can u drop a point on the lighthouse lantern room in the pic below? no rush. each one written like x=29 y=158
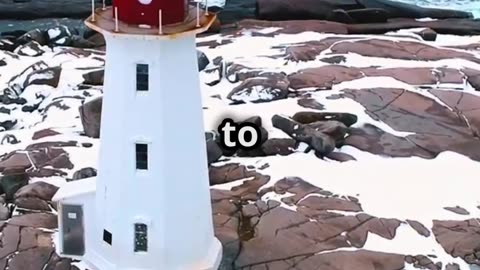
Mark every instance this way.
x=149 y=206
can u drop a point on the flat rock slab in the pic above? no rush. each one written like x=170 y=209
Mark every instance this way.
x=29 y=248
x=446 y=26
x=437 y=128
x=264 y=234
x=326 y=76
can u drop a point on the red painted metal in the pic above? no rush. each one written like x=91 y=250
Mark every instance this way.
x=134 y=12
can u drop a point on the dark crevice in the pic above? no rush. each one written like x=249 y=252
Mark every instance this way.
x=246 y=230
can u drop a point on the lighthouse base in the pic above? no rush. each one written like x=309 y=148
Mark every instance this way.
x=211 y=262
x=82 y=194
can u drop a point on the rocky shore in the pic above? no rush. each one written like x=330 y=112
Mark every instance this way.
x=370 y=137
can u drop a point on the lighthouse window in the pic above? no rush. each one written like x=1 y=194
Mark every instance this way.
x=140 y=237
x=107 y=237
x=142 y=77
x=142 y=156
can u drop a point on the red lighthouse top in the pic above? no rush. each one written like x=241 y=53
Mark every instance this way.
x=147 y=11
x=142 y=17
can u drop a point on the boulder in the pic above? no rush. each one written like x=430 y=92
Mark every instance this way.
x=37 y=35
x=94 y=77
x=32 y=203
x=308 y=117
x=448 y=233
x=214 y=152
x=84 y=173
x=44 y=133
x=277 y=146
x=90 y=114
x=261 y=89
x=48 y=76
x=12 y=180
x=31 y=48
x=408 y=111
x=427 y=34
x=316 y=139
x=202 y=60
x=36 y=220
x=40 y=189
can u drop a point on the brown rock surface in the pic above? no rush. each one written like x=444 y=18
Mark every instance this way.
x=262 y=234
x=44 y=133
x=40 y=189
x=90 y=113
x=447 y=26
x=28 y=248
x=405 y=50
x=459 y=238
x=436 y=127
x=458 y=210
x=36 y=220
x=326 y=76
x=419 y=227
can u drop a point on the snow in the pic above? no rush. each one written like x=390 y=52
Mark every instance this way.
x=61 y=41
x=75 y=188
x=54 y=33
x=27 y=51
x=392 y=190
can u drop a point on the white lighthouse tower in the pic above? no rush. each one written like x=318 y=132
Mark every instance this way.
x=149 y=207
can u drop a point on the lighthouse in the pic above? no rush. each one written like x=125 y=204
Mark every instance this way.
x=149 y=206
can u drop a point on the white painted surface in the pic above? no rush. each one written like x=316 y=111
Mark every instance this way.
x=75 y=188
x=86 y=198
x=180 y=230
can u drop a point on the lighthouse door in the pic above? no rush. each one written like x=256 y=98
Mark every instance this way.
x=73 y=231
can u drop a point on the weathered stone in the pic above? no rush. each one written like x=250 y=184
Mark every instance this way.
x=39 y=189
x=31 y=48
x=94 y=77
x=214 y=152
x=447 y=233
x=261 y=89
x=427 y=34
x=228 y=173
x=31 y=258
x=49 y=76
x=458 y=210
x=84 y=173
x=419 y=227
x=4 y=212
x=308 y=117
x=325 y=77
x=341 y=157
x=90 y=113
x=32 y=203
x=406 y=111
x=202 y=60
x=310 y=103
x=36 y=220
x=319 y=141
x=12 y=180
x=276 y=146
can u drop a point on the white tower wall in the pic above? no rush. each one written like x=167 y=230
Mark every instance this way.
x=172 y=197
